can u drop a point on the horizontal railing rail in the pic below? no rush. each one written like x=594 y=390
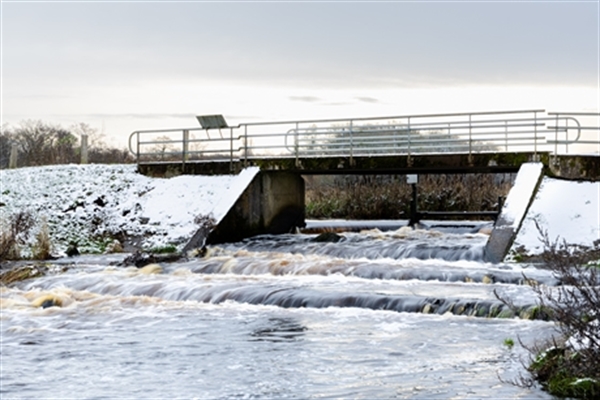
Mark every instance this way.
x=567 y=122
x=406 y=135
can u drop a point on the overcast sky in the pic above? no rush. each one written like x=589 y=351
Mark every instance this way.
x=122 y=66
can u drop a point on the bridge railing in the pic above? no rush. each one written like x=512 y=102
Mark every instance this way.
x=577 y=132
x=460 y=133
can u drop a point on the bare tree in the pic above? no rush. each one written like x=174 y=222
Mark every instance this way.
x=41 y=143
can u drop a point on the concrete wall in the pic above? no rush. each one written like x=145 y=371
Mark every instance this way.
x=272 y=203
x=513 y=211
x=576 y=167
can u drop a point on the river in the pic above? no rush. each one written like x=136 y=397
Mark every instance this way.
x=397 y=314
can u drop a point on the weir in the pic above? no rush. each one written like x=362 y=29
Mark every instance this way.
x=475 y=142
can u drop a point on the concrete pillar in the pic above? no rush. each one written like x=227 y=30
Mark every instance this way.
x=272 y=203
x=84 y=149
x=14 y=151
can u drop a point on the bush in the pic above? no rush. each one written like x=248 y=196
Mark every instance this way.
x=569 y=366
x=15 y=233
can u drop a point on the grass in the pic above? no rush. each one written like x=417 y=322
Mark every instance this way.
x=167 y=249
x=42 y=247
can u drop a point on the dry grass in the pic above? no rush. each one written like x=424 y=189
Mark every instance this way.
x=42 y=248
x=14 y=233
x=388 y=197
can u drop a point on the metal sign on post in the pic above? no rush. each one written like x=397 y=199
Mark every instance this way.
x=412 y=178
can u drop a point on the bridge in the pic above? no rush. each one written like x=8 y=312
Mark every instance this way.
x=567 y=143
x=555 y=143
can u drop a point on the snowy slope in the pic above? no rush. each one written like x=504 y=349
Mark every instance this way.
x=90 y=204
x=566 y=210
x=518 y=199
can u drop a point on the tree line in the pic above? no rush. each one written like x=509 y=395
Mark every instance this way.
x=42 y=143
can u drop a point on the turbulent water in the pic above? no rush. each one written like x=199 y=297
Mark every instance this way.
x=401 y=314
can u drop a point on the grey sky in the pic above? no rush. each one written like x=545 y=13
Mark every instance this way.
x=53 y=52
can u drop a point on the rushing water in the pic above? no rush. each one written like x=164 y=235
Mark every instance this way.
x=400 y=314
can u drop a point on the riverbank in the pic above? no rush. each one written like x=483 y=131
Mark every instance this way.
x=94 y=205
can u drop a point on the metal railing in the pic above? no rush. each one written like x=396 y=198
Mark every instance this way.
x=463 y=133
x=574 y=132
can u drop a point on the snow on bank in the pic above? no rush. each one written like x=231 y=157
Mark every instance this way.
x=565 y=209
x=90 y=203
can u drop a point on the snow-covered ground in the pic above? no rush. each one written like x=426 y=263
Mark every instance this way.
x=88 y=204
x=567 y=210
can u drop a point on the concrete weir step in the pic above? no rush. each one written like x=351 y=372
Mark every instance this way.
x=514 y=211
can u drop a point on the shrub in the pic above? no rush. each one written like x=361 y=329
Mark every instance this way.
x=15 y=233
x=166 y=249
x=572 y=369
x=569 y=366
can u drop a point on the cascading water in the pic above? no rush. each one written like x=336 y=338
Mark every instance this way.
x=409 y=314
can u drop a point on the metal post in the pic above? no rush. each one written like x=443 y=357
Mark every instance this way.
x=414 y=213
x=351 y=145
x=408 y=159
x=505 y=135
x=186 y=138
x=245 y=145
x=535 y=157
x=555 y=156
x=137 y=149
x=566 y=136
x=556 y=136
x=296 y=144
x=470 y=141
x=231 y=150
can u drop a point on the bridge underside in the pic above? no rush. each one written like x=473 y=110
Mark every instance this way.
x=374 y=165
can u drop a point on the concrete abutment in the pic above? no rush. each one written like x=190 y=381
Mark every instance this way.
x=273 y=203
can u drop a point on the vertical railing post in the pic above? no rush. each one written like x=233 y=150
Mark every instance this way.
x=186 y=138
x=137 y=149
x=408 y=158
x=535 y=133
x=351 y=143
x=566 y=136
x=245 y=145
x=556 y=136
x=470 y=140
x=506 y=135
x=231 y=150
x=296 y=145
